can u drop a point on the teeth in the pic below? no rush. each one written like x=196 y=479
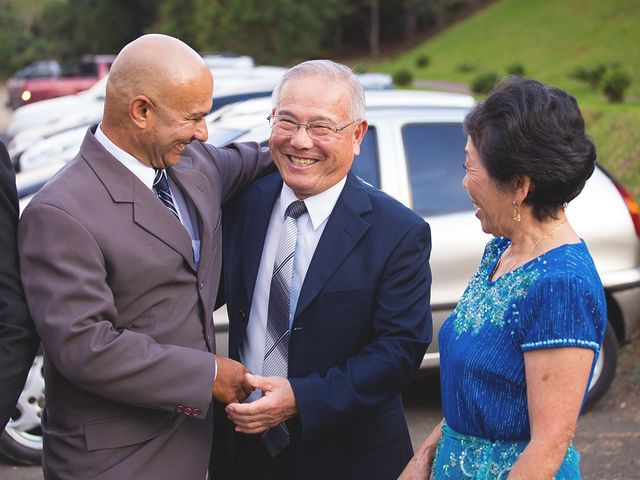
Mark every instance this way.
x=302 y=161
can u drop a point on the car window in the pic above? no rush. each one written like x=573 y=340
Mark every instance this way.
x=221 y=101
x=39 y=70
x=365 y=165
x=435 y=155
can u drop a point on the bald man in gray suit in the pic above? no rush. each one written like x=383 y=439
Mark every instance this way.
x=122 y=288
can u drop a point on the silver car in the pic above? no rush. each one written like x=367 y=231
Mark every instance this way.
x=414 y=150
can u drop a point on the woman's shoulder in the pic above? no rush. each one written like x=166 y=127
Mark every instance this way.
x=571 y=261
x=567 y=273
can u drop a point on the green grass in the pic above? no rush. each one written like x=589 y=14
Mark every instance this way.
x=549 y=38
x=615 y=130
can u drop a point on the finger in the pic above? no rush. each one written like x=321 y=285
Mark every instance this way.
x=256 y=381
x=240 y=422
x=244 y=409
x=247 y=389
x=251 y=424
x=258 y=407
x=238 y=419
x=251 y=430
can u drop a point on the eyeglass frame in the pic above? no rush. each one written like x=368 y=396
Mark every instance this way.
x=306 y=125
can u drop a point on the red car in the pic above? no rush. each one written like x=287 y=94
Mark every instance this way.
x=47 y=79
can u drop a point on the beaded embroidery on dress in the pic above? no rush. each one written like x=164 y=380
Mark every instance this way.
x=554 y=300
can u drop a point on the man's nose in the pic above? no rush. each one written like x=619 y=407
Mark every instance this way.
x=301 y=138
x=202 y=132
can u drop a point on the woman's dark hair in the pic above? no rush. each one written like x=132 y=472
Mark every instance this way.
x=526 y=128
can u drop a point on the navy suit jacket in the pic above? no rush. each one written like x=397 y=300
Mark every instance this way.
x=361 y=327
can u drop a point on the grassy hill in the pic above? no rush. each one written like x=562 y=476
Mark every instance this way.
x=549 y=38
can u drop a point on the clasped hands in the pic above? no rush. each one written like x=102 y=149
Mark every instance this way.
x=234 y=383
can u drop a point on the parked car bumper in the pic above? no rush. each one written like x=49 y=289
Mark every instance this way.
x=623 y=290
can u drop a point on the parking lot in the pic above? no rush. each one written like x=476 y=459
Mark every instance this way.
x=608 y=437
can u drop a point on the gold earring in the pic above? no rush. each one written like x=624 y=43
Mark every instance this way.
x=516 y=212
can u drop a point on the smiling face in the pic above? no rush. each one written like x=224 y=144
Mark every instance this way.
x=493 y=204
x=178 y=119
x=309 y=166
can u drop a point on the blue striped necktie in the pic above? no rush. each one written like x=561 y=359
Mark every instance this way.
x=161 y=187
x=276 y=358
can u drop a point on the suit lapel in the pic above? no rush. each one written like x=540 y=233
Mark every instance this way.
x=125 y=187
x=196 y=187
x=345 y=227
x=259 y=206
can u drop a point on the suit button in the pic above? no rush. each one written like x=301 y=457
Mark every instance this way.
x=242 y=315
x=201 y=285
x=179 y=409
x=187 y=410
x=196 y=412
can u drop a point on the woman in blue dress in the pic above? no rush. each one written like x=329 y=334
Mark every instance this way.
x=518 y=351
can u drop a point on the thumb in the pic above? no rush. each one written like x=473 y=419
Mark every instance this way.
x=256 y=381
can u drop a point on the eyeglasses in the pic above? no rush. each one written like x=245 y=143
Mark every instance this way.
x=315 y=130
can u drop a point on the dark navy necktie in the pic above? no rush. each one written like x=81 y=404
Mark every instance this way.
x=161 y=187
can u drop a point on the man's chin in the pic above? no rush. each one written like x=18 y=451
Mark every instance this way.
x=171 y=160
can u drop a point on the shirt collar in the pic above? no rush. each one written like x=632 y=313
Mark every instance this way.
x=144 y=173
x=319 y=206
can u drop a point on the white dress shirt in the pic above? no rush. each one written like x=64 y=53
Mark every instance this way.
x=310 y=228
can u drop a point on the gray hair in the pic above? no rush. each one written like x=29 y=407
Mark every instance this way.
x=330 y=71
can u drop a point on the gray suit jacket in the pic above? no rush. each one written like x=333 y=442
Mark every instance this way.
x=125 y=319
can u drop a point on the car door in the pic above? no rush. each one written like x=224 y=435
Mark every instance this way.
x=421 y=153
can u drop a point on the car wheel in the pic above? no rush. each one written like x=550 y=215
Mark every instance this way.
x=605 y=369
x=21 y=440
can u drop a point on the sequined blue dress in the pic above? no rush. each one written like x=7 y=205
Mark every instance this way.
x=555 y=300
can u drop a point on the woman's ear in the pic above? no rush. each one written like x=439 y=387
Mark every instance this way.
x=522 y=187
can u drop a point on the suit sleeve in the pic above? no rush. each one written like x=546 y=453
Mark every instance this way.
x=19 y=341
x=65 y=279
x=402 y=332
x=239 y=164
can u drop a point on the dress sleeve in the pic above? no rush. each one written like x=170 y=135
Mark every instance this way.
x=563 y=311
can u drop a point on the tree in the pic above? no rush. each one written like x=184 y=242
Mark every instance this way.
x=374 y=28
x=96 y=26
x=274 y=31
x=278 y=31
x=11 y=33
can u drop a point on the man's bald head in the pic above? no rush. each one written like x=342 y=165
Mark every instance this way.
x=158 y=93
x=154 y=65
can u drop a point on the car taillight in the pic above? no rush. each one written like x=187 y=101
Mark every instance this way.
x=632 y=206
x=26 y=96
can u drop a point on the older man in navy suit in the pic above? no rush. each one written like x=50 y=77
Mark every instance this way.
x=327 y=286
